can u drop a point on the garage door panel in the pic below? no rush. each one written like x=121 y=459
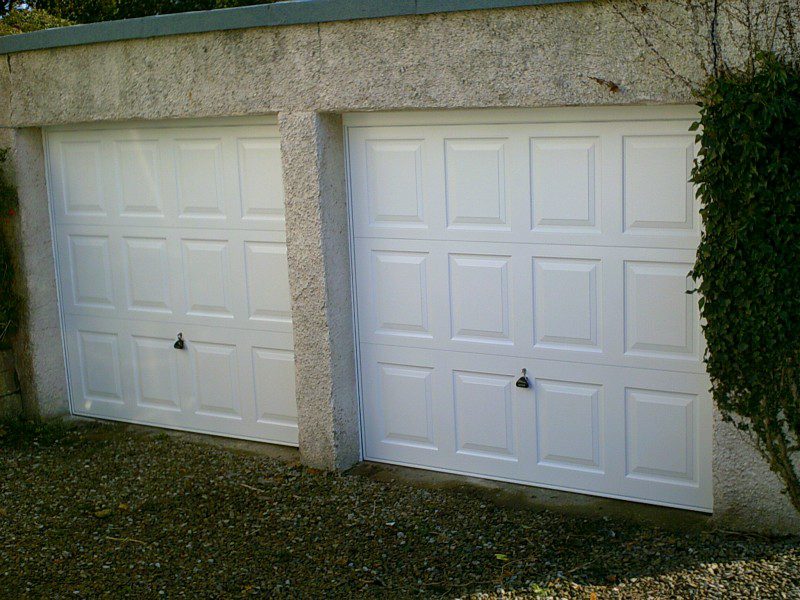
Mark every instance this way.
x=668 y=425
x=484 y=415
x=96 y=368
x=394 y=184
x=570 y=425
x=657 y=196
x=567 y=305
x=581 y=183
x=476 y=176
x=259 y=169
x=402 y=422
x=650 y=441
x=215 y=378
x=177 y=230
x=273 y=383
x=431 y=412
x=78 y=187
x=146 y=270
x=267 y=283
x=480 y=299
x=565 y=184
x=140 y=187
x=198 y=177
x=585 y=304
x=208 y=282
x=562 y=248
x=155 y=373
x=234 y=278
x=242 y=378
x=661 y=319
x=584 y=428
x=233 y=382
x=87 y=261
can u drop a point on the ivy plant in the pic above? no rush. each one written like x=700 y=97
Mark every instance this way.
x=9 y=300
x=747 y=269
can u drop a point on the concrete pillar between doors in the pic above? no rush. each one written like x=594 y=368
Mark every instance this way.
x=39 y=350
x=312 y=147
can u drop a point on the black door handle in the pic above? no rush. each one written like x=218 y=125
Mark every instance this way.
x=179 y=344
x=523 y=382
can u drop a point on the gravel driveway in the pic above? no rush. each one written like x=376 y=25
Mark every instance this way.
x=100 y=511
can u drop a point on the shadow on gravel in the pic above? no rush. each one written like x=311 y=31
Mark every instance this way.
x=97 y=509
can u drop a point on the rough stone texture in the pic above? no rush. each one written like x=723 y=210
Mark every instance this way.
x=225 y=73
x=533 y=56
x=39 y=350
x=593 y=53
x=319 y=277
x=747 y=495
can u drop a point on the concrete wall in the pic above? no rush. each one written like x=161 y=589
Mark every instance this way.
x=537 y=56
x=593 y=53
x=40 y=356
x=312 y=151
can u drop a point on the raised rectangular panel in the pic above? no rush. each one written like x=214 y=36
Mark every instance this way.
x=394 y=183
x=476 y=188
x=206 y=276
x=661 y=436
x=216 y=379
x=564 y=183
x=90 y=271
x=261 y=179
x=400 y=284
x=569 y=425
x=479 y=298
x=98 y=355
x=198 y=172
x=147 y=274
x=267 y=269
x=406 y=405
x=273 y=381
x=484 y=415
x=657 y=194
x=81 y=179
x=566 y=303
x=660 y=317
x=155 y=370
x=138 y=165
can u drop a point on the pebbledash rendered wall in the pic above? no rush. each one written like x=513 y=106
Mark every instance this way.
x=341 y=56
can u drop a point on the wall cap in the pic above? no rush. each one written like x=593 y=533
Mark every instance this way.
x=291 y=12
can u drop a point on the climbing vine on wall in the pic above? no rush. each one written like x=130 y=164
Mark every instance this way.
x=748 y=262
x=742 y=60
x=9 y=301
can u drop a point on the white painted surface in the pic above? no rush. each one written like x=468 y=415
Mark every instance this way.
x=561 y=247
x=161 y=230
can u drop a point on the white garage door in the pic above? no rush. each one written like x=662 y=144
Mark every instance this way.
x=559 y=244
x=174 y=230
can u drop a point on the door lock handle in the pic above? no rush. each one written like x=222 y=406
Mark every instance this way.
x=523 y=382
x=179 y=343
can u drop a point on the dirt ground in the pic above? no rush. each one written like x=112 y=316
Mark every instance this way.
x=98 y=510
